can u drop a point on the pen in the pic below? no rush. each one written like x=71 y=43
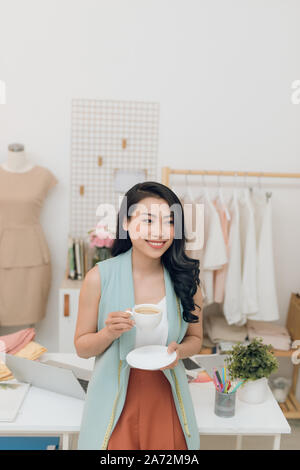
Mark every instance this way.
x=237 y=386
x=218 y=375
x=216 y=384
x=217 y=379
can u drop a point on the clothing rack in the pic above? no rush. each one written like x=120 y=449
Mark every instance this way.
x=167 y=171
x=291 y=407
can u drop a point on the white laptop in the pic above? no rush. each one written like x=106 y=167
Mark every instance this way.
x=209 y=361
x=55 y=379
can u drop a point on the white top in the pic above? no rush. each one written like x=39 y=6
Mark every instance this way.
x=248 y=250
x=215 y=251
x=266 y=283
x=159 y=334
x=233 y=284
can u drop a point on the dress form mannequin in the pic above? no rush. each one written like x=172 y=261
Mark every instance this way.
x=25 y=261
x=17 y=160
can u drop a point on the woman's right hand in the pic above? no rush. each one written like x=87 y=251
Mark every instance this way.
x=118 y=323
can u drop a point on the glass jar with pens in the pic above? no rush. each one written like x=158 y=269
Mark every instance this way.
x=225 y=394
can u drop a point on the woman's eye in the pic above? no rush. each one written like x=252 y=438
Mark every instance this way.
x=149 y=220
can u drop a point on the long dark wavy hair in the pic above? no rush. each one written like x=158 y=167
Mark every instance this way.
x=184 y=271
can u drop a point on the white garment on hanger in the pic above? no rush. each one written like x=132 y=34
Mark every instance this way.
x=220 y=274
x=233 y=284
x=248 y=250
x=266 y=286
x=215 y=252
x=159 y=334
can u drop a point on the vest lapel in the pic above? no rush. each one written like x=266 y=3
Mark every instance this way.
x=127 y=300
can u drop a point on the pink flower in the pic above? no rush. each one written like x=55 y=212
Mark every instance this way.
x=99 y=243
x=100 y=236
x=109 y=242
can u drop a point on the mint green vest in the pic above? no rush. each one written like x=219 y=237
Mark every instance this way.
x=107 y=388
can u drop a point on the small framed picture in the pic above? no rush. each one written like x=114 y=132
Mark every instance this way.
x=124 y=179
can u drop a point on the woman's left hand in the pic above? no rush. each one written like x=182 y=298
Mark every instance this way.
x=171 y=348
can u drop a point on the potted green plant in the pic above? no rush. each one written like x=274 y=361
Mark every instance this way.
x=253 y=364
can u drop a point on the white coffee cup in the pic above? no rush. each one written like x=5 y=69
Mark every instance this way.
x=146 y=320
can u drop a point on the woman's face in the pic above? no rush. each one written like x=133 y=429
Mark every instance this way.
x=151 y=227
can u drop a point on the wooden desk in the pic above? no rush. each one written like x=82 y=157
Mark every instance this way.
x=48 y=413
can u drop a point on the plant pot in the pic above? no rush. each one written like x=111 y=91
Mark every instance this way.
x=101 y=254
x=254 y=391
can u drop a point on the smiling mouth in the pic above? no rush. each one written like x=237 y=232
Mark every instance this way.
x=155 y=244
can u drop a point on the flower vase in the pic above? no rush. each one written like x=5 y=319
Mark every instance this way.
x=101 y=253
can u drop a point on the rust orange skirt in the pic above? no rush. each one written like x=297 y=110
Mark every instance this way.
x=149 y=419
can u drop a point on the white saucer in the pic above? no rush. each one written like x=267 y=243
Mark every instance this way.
x=150 y=357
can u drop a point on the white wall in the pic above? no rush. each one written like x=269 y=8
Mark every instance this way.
x=221 y=69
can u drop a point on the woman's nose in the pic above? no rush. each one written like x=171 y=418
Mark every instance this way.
x=155 y=231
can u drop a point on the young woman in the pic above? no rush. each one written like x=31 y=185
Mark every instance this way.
x=129 y=408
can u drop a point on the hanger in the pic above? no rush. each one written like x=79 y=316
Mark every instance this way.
x=259 y=182
x=268 y=194
x=250 y=188
x=187 y=190
x=185 y=194
x=205 y=190
x=247 y=191
x=235 y=190
x=221 y=197
x=246 y=187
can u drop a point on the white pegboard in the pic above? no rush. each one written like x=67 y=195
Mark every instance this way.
x=124 y=135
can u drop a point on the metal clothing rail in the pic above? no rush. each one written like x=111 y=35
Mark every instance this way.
x=167 y=171
x=291 y=407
